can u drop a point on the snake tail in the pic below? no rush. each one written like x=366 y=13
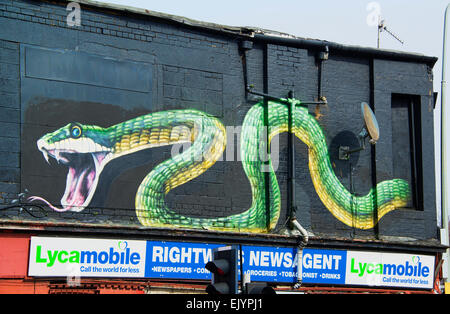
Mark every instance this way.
x=362 y=212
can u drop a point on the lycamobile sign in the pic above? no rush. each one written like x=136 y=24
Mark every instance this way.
x=86 y=257
x=389 y=269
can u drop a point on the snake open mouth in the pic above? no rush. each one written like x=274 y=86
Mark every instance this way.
x=82 y=177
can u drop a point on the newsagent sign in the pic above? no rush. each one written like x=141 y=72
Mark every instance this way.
x=81 y=257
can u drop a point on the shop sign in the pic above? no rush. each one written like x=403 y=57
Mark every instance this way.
x=60 y=257
x=324 y=266
x=188 y=260
x=376 y=269
x=56 y=257
x=390 y=269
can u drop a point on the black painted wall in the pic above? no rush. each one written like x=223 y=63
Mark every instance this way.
x=127 y=65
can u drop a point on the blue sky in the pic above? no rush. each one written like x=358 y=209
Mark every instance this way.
x=419 y=23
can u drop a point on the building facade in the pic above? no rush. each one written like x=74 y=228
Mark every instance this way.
x=132 y=143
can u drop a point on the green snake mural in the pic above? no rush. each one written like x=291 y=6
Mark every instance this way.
x=86 y=149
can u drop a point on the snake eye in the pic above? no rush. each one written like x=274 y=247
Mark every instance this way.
x=75 y=131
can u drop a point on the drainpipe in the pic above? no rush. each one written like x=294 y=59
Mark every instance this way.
x=295 y=224
x=322 y=56
x=244 y=47
x=291 y=159
x=291 y=193
x=444 y=178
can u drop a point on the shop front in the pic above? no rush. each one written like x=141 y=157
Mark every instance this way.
x=49 y=264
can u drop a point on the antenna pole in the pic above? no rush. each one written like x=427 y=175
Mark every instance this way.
x=382 y=27
x=444 y=161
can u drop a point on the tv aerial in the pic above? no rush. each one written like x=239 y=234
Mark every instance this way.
x=382 y=27
x=370 y=129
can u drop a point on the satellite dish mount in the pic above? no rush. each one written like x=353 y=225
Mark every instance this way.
x=370 y=129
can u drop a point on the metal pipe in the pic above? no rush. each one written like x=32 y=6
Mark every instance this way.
x=302 y=230
x=244 y=47
x=303 y=243
x=266 y=126
x=291 y=158
x=291 y=177
x=276 y=98
x=444 y=108
x=243 y=286
x=444 y=178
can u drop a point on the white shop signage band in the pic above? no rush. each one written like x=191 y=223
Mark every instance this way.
x=81 y=257
x=56 y=257
x=389 y=269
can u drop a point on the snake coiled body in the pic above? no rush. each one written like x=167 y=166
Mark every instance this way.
x=206 y=137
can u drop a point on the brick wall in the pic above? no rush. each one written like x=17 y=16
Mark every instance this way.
x=193 y=67
x=9 y=121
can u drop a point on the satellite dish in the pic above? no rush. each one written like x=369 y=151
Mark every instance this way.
x=371 y=124
x=370 y=129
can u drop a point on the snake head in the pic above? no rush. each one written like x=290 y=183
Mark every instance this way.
x=85 y=150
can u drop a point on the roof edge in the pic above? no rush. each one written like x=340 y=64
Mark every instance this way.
x=165 y=16
x=269 y=36
x=348 y=49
